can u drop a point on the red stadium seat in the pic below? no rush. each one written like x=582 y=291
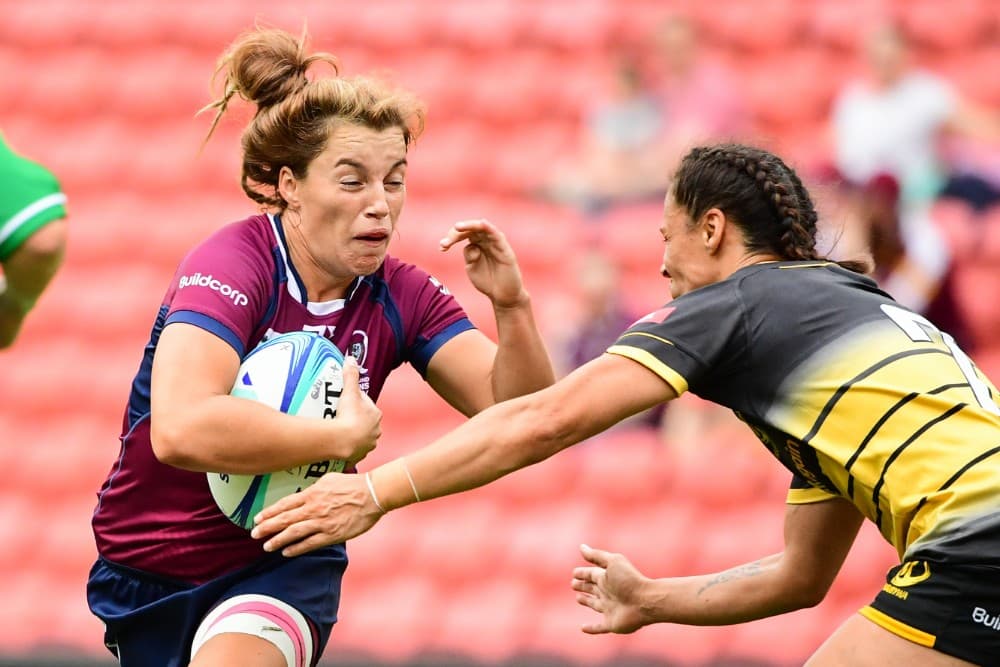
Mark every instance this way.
x=987 y=359
x=485 y=621
x=629 y=234
x=971 y=71
x=437 y=75
x=542 y=541
x=555 y=630
x=792 y=86
x=954 y=218
x=636 y=22
x=965 y=23
x=759 y=26
x=625 y=467
x=161 y=83
x=87 y=447
x=678 y=645
x=461 y=538
x=584 y=25
x=740 y=534
x=19 y=527
x=839 y=23
x=404 y=605
x=67 y=84
x=724 y=468
x=488 y=25
x=655 y=536
x=546 y=482
x=972 y=280
x=41 y=27
x=788 y=639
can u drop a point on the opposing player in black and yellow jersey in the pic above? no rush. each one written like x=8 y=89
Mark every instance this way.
x=876 y=412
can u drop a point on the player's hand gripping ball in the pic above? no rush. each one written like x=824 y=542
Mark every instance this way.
x=299 y=373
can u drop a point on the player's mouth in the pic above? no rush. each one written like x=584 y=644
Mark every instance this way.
x=374 y=237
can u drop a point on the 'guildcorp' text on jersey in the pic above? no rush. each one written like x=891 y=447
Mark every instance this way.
x=240 y=285
x=858 y=396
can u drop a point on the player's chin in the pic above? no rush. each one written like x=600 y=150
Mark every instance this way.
x=368 y=263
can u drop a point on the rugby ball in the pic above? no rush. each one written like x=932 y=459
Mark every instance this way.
x=298 y=373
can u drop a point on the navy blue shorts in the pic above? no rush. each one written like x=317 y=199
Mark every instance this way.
x=151 y=621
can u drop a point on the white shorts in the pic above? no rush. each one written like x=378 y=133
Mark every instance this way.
x=261 y=616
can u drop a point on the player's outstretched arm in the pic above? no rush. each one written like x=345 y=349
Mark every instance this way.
x=470 y=371
x=27 y=272
x=497 y=441
x=817 y=540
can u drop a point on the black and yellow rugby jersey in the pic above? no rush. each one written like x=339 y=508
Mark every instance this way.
x=856 y=395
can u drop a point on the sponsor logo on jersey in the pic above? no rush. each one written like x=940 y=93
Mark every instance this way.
x=357 y=348
x=980 y=615
x=199 y=280
x=895 y=592
x=655 y=317
x=437 y=283
x=911 y=573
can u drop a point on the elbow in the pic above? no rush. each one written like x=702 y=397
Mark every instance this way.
x=553 y=429
x=806 y=594
x=168 y=437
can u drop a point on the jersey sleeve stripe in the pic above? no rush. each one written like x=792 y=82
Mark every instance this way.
x=208 y=324
x=807 y=496
x=668 y=374
x=420 y=355
x=49 y=201
x=647 y=335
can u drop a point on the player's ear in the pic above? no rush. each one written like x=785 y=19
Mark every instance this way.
x=288 y=187
x=713 y=228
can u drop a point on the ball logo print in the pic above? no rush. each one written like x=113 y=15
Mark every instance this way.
x=298 y=373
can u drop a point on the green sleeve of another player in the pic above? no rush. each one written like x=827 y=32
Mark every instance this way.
x=29 y=199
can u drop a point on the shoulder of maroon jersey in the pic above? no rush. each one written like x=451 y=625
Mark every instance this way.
x=394 y=270
x=252 y=233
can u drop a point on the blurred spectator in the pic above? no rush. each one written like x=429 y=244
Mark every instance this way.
x=634 y=136
x=619 y=159
x=912 y=261
x=32 y=237
x=894 y=120
x=602 y=318
x=700 y=96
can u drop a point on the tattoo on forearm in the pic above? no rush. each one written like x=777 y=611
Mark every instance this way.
x=742 y=572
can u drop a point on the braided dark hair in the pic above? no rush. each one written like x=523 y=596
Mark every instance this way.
x=758 y=192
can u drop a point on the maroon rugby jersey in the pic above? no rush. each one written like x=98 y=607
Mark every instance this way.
x=240 y=285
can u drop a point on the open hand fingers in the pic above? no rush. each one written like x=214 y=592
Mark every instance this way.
x=299 y=539
x=595 y=556
x=268 y=521
x=584 y=586
x=477 y=232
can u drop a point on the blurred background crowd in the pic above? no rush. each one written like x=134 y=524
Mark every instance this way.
x=559 y=120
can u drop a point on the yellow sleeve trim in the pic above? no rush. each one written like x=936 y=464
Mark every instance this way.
x=898 y=627
x=807 y=496
x=669 y=375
